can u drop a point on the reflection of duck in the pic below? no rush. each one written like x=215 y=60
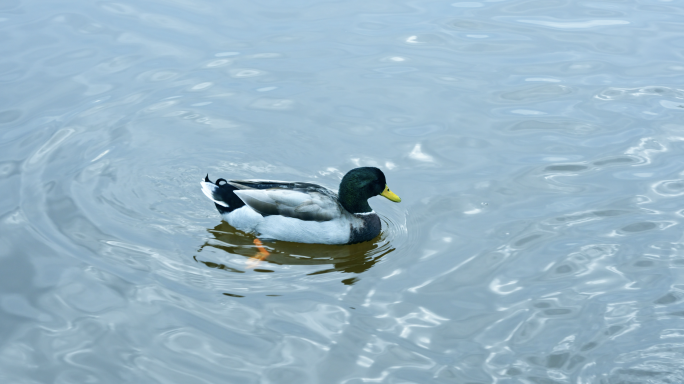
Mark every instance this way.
x=355 y=258
x=303 y=212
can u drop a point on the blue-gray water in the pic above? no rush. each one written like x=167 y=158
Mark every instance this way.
x=537 y=147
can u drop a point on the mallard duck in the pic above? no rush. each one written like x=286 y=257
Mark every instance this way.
x=303 y=212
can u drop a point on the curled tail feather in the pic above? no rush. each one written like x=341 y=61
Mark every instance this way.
x=222 y=194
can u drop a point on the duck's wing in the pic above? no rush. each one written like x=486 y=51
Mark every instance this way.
x=304 y=201
x=271 y=184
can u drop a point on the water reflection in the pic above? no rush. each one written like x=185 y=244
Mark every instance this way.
x=349 y=258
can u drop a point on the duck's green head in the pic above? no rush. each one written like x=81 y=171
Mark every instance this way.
x=359 y=185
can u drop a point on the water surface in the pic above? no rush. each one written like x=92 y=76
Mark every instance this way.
x=536 y=146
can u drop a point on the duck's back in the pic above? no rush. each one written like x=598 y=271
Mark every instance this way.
x=303 y=201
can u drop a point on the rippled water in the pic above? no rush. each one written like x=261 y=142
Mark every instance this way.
x=537 y=147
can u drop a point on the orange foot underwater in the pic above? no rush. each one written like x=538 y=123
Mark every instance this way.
x=255 y=260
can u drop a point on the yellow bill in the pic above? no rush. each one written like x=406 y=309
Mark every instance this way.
x=390 y=195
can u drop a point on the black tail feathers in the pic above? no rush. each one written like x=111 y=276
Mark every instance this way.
x=223 y=192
